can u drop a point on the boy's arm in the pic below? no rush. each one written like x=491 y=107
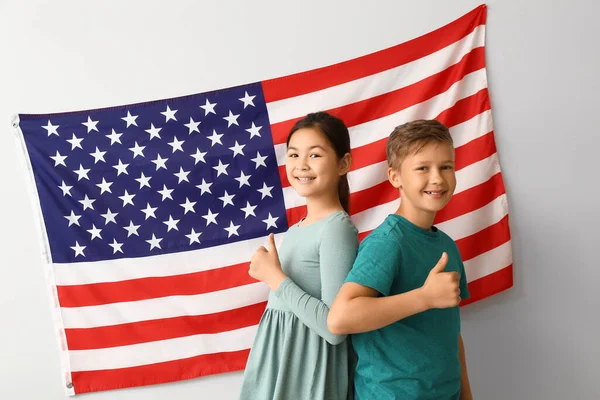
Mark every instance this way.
x=465 y=386
x=358 y=308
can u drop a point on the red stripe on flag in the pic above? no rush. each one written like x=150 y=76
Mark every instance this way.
x=151 y=374
x=389 y=103
x=485 y=240
x=155 y=287
x=322 y=78
x=474 y=151
x=162 y=329
x=469 y=106
x=471 y=199
x=490 y=285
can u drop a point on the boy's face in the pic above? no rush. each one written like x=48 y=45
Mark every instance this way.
x=426 y=179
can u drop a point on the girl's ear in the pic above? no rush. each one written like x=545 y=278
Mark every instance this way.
x=344 y=164
x=395 y=178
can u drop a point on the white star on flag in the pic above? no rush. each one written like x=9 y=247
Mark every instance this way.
x=237 y=149
x=243 y=179
x=78 y=249
x=104 y=186
x=232 y=229
x=98 y=155
x=154 y=132
x=221 y=168
x=59 y=159
x=65 y=188
x=154 y=242
x=199 y=156
x=193 y=236
x=149 y=211
x=130 y=119
x=209 y=108
x=176 y=144
x=121 y=168
x=95 y=232
x=265 y=191
x=87 y=203
x=182 y=175
x=188 y=206
x=165 y=193
x=91 y=125
x=144 y=180
x=52 y=129
x=193 y=126
x=116 y=246
x=248 y=100
x=215 y=138
x=259 y=160
x=73 y=219
x=114 y=137
x=270 y=221
x=132 y=229
x=231 y=119
x=75 y=142
x=227 y=199
x=254 y=130
x=171 y=223
x=248 y=210
x=160 y=162
x=127 y=198
x=204 y=187
x=169 y=114
x=109 y=217
x=82 y=173
x=137 y=150
x=210 y=218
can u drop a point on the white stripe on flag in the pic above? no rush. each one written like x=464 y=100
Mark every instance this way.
x=489 y=262
x=164 y=307
x=162 y=351
x=372 y=131
x=376 y=84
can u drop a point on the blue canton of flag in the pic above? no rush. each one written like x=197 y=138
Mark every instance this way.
x=159 y=177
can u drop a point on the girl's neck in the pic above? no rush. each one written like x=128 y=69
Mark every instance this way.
x=319 y=208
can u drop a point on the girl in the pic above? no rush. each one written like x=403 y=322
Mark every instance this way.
x=294 y=356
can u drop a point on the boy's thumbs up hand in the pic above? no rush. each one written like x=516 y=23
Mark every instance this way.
x=441 y=289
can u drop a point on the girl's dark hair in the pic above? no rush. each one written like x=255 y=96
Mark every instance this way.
x=337 y=134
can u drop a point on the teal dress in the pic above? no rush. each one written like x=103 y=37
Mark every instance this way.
x=294 y=356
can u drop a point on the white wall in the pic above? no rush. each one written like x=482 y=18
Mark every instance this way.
x=536 y=341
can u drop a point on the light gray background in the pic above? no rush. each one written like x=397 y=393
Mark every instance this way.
x=537 y=341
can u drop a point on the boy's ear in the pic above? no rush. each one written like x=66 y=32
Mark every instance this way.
x=345 y=164
x=394 y=178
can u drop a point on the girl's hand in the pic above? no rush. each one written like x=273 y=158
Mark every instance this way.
x=265 y=266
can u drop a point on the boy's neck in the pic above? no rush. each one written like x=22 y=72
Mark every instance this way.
x=420 y=218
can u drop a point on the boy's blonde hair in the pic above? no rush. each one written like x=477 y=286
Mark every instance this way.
x=411 y=137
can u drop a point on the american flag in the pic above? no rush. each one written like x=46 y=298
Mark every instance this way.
x=149 y=213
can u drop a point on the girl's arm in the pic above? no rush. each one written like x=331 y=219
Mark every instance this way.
x=338 y=247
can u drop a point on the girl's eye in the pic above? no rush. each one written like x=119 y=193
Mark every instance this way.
x=292 y=155
x=314 y=155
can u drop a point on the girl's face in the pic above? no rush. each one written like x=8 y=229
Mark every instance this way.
x=312 y=165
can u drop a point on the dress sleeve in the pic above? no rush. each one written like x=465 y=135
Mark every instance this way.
x=337 y=250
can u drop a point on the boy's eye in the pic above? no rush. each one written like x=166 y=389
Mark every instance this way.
x=421 y=168
x=447 y=167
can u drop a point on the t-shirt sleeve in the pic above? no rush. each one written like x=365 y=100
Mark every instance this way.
x=463 y=285
x=337 y=250
x=376 y=264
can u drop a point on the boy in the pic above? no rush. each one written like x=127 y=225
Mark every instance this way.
x=403 y=312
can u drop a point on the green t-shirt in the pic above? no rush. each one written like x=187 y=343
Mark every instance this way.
x=416 y=357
